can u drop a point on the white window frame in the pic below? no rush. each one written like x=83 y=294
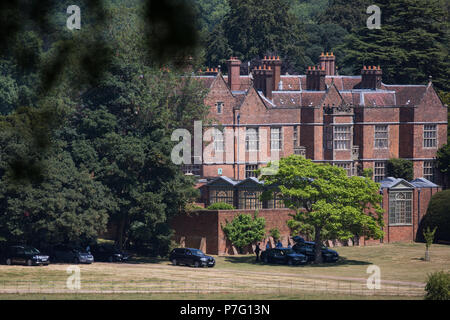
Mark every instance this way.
x=400 y=208
x=430 y=136
x=342 y=137
x=219 y=107
x=219 y=143
x=276 y=139
x=377 y=177
x=252 y=139
x=381 y=137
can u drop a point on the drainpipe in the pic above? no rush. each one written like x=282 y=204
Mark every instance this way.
x=238 y=136
x=418 y=209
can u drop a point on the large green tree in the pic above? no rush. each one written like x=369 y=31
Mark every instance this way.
x=411 y=45
x=327 y=201
x=257 y=28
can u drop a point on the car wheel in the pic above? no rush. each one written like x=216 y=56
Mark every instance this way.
x=29 y=262
x=174 y=262
x=290 y=262
x=266 y=260
x=8 y=262
x=196 y=264
x=76 y=261
x=110 y=259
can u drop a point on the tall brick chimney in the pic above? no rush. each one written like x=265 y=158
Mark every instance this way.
x=315 y=79
x=234 y=70
x=275 y=64
x=328 y=62
x=371 y=77
x=263 y=80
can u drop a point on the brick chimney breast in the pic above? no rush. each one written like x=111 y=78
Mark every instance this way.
x=315 y=79
x=328 y=62
x=274 y=63
x=234 y=72
x=371 y=77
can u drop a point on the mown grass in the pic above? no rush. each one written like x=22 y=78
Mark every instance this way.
x=398 y=263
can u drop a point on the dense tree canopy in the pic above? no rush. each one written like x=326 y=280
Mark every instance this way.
x=327 y=201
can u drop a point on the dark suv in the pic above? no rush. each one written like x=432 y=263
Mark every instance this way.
x=25 y=255
x=63 y=253
x=191 y=257
x=109 y=253
x=307 y=248
x=283 y=256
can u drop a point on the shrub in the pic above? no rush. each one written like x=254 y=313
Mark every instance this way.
x=438 y=286
x=220 y=206
x=191 y=207
x=244 y=230
x=438 y=215
x=400 y=168
x=275 y=234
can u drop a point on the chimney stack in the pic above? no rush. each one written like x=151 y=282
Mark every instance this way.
x=315 y=79
x=211 y=72
x=274 y=63
x=371 y=77
x=263 y=80
x=234 y=71
x=328 y=61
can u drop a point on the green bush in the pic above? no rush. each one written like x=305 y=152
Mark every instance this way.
x=244 y=230
x=275 y=234
x=438 y=215
x=400 y=168
x=438 y=286
x=220 y=206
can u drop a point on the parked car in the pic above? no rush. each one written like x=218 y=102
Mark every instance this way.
x=109 y=253
x=191 y=257
x=64 y=253
x=25 y=255
x=283 y=256
x=307 y=248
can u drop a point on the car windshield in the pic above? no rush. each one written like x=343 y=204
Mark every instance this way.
x=288 y=251
x=30 y=250
x=197 y=252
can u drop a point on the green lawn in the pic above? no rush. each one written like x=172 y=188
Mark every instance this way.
x=403 y=276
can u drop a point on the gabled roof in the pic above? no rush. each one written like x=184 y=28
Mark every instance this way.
x=222 y=180
x=423 y=183
x=395 y=183
x=251 y=180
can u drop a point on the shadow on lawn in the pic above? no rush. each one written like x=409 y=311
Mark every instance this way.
x=252 y=260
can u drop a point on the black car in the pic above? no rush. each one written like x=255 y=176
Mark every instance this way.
x=25 y=255
x=307 y=248
x=191 y=257
x=71 y=254
x=109 y=253
x=283 y=256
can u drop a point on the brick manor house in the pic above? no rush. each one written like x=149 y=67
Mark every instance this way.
x=354 y=122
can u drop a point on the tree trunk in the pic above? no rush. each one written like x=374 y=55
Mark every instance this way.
x=318 y=246
x=427 y=254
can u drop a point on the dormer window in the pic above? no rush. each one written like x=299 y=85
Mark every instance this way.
x=219 y=106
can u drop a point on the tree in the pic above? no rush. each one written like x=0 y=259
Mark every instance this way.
x=261 y=27
x=325 y=199
x=349 y=15
x=400 y=168
x=429 y=238
x=443 y=162
x=438 y=215
x=244 y=230
x=411 y=45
